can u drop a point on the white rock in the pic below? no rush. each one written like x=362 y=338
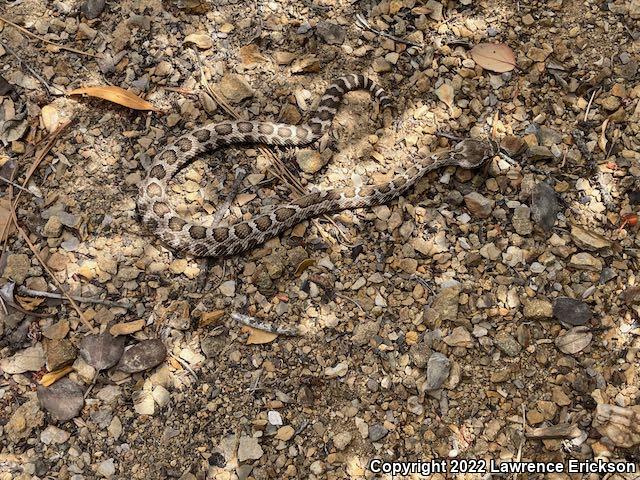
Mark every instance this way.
x=28 y=360
x=143 y=402
x=249 y=449
x=115 y=428
x=107 y=468
x=53 y=434
x=341 y=440
x=161 y=395
x=340 y=370
x=228 y=288
x=274 y=418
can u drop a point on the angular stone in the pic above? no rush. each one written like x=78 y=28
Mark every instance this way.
x=585 y=261
x=249 y=449
x=235 y=88
x=544 y=206
x=507 y=344
x=377 y=432
x=479 y=205
x=23 y=420
x=521 y=220
x=59 y=353
x=571 y=311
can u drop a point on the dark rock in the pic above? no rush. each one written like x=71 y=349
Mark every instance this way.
x=5 y=87
x=143 y=356
x=377 y=432
x=331 y=33
x=438 y=368
x=634 y=197
x=571 y=311
x=63 y=400
x=92 y=8
x=544 y=206
x=507 y=344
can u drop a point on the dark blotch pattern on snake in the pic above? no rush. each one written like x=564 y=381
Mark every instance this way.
x=186 y=236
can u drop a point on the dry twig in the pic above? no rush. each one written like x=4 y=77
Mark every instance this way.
x=59 y=296
x=42 y=39
x=593 y=95
x=31 y=70
x=262 y=325
x=32 y=247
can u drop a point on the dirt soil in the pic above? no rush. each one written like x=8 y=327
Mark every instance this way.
x=486 y=315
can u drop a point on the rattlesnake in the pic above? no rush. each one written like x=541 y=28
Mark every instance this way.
x=218 y=241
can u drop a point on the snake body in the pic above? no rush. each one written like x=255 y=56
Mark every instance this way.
x=221 y=241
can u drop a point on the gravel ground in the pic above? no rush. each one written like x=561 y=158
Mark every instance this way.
x=485 y=315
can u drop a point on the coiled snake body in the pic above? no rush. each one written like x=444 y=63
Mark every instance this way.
x=217 y=241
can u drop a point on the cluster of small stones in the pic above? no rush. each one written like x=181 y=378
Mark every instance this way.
x=431 y=325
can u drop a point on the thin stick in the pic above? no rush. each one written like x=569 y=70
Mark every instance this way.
x=586 y=112
x=38 y=37
x=19 y=187
x=265 y=326
x=364 y=24
x=224 y=208
x=184 y=364
x=44 y=265
x=38 y=293
x=31 y=70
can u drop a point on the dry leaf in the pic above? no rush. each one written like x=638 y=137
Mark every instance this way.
x=201 y=40
x=6 y=223
x=602 y=140
x=445 y=94
x=101 y=351
x=126 y=328
x=209 y=318
x=29 y=303
x=52 y=377
x=50 y=117
x=116 y=95
x=496 y=57
x=250 y=54
x=259 y=337
x=303 y=265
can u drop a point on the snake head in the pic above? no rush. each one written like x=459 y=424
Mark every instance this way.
x=471 y=153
